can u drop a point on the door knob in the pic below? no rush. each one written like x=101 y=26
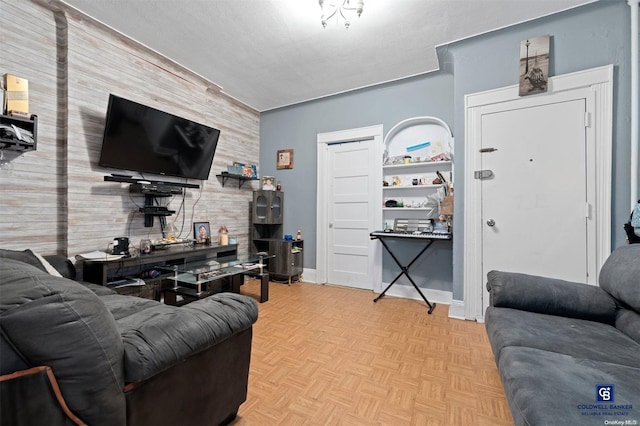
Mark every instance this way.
x=491 y=222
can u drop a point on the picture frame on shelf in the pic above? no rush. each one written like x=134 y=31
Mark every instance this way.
x=201 y=232
x=285 y=159
x=268 y=183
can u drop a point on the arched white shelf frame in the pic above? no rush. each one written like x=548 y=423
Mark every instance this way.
x=414 y=130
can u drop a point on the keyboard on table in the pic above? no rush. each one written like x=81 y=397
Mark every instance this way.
x=412 y=234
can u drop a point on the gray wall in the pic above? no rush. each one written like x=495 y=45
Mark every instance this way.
x=297 y=127
x=55 y=199
x=589 y=36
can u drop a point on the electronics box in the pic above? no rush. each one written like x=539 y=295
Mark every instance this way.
x=17 y=94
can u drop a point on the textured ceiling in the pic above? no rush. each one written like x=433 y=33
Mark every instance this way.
x=272 y=53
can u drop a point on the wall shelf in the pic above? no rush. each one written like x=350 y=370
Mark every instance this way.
x=12 y=142
x=224 y=176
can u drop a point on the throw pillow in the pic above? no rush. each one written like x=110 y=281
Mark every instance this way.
x=29 y=257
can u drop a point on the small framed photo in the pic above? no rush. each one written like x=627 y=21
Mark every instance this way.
x=268 y=183
x=201 y=232
x=285 y=159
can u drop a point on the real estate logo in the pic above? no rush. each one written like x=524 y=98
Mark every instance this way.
x=604 y=393
x=605 y=408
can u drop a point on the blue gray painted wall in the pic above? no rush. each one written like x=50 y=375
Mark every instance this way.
x=590 y=36
x=297 y=127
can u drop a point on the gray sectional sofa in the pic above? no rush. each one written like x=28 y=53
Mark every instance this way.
x=79 y=353
x=569 y=353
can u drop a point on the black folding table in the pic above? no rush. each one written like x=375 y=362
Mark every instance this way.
x=427 y=237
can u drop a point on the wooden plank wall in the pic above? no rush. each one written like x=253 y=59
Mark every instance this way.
x=55 y=200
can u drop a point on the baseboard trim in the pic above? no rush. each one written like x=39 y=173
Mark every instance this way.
x=408 y=292
x=456 y=309
x=309 y=276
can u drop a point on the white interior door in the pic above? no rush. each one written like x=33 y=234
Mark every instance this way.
x=351 y=216
x=595 y=87
x=535 y=207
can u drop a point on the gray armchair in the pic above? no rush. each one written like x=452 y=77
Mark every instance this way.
x=73 y=353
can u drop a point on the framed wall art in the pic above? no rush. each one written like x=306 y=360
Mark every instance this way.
x=285 y=159
x=534 y=65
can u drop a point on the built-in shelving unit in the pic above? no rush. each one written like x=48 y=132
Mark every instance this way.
x=409 y=174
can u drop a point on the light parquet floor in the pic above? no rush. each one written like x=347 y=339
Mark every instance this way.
x=327 y=355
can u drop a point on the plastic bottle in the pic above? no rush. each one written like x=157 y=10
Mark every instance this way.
x=299 y=235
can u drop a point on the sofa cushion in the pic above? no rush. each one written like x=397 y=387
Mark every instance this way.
x=550 y=296
x=620 y=275
x=59 y=323
x=628 y=322
x=545 y=388
x=570 y=336
x=26 y=256
x=157 y=336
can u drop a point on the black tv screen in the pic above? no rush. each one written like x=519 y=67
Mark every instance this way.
x=143 y=139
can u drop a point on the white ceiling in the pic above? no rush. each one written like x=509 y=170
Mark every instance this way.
x=272 y=53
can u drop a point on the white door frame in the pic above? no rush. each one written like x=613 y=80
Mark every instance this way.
x=374 y=133
x=598 y=80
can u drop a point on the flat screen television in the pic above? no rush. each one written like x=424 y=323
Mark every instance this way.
x=142 y=139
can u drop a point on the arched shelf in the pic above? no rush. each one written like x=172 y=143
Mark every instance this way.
x=415 y=130
x=412 y=182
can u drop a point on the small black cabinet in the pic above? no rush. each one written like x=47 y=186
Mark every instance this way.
x=14 y=141
x=267 y=207
x=267 y=235
x=288 y=261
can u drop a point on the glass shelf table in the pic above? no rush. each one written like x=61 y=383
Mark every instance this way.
x=197 y=280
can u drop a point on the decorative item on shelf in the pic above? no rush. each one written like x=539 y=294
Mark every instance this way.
x=17 y=94
x=278 y=186
x=145 y=246
x=267 y=183
x=235 y=170
x=298 y=235
x=247 y=170
x=202 y=233
x=170 y=232
x=223 y=236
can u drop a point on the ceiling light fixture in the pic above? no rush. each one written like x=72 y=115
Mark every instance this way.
x=340 y=8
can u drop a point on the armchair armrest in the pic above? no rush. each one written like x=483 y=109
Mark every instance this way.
x=550 y=296
x=33 y=396
x=159 y=337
